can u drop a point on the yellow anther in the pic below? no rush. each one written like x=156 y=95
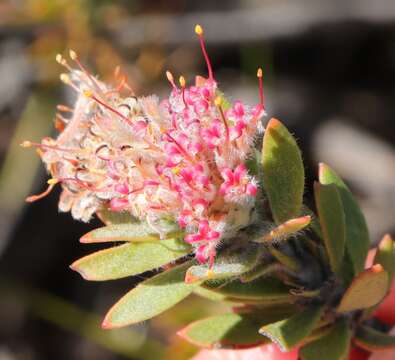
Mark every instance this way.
x=88 y=93
x=182 y=81
x=73 y=54
x=218 y=101
x=59 y=58
x=259 y=73
x=52 y=181
x=169 y=76
x=65 y=78
x=26 y=144
x=176 y=170
x=210 y=273
x=198 y=29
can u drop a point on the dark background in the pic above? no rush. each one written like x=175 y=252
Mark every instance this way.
x=329 y=73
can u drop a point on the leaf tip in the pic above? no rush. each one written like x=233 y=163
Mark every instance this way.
x=386 y=241
x=106 y=325
x=323 y=171
x=85 y=238
x=377 y=268
x=322 y=167
x=273 y=123
x=75 y=267
x=303 y=221
x=190 y=278
x=182 y=333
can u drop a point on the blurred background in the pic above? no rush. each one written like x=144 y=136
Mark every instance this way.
x=329 y=73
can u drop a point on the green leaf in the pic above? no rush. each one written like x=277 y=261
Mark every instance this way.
x=290 y=332
x=150 y=298
x=129 y=259
x=332 y=220
x=385 y=256
x=224 y=267
x=314 y=223
x=367 y=289
x=332 y=346
x=285 y=230
x=209 y=294
x=260 y=270
x=317 y=333
x=266 y=290
x=288 y=261
x=115 y=217
x=253 y=163
x=224 y=331
x=136 y=232
x=357 y=235
x=200 y=273
x=373 y=340
x=231 y=330
x=283 y=172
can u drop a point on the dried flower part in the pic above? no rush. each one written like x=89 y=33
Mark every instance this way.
x=182 y=158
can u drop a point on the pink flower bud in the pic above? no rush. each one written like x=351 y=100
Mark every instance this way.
x=251 y=189
x=118 y=204
x=201 y=254
x=238 y=109
x=122 y=188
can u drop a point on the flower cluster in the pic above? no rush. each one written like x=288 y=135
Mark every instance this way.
x=181 y=158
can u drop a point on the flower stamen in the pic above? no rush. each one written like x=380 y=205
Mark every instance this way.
x=74 y=57
x=199 y=33
x=182 y=84
x=218 y=104
x=259 y=74
x=170 y=78
x=89 y=94
x=51 y=184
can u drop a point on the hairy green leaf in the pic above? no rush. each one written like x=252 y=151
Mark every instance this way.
x=332 y=346
x=129 y=259
x=288 y=261
x=209 y=294
x=150 y=298
x=290 y=332
x=285 y=230
x=109 y=217
x=367 y=289
x=357 y=235
x=260 y=270
x=283 y=172
x=266 y=290
x=224 y=267
x=232 y=330
x=332 y=220
x=136 y=232
x=226 y=330
x=200 y=273
x=373 y=340
x=314 y=223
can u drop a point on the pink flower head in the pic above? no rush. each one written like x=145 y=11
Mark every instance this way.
x=181 y=158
